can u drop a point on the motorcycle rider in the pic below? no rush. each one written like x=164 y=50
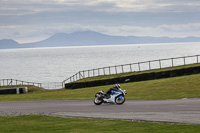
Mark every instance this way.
x=114 y=88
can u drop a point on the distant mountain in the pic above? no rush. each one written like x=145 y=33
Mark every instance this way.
x=86 y=38
x=8 y=43
x=75 y=39
x=94 y=38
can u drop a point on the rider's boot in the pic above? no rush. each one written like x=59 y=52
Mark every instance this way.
x=107 y=96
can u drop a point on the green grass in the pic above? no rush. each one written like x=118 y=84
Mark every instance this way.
x=47 y=124
x=169 y=88
x=102 y=77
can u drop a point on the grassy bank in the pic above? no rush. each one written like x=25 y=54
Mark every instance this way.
x=102 y=77
x=169 y=88
x=47 y=124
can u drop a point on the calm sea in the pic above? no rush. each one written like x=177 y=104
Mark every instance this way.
x=57 y=64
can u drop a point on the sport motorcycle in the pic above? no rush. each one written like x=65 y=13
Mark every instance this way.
x=117 y=97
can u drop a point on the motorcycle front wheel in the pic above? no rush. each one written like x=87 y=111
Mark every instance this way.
x=120 y=99
x=98 y=101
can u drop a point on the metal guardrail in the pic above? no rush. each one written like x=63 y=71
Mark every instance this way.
x=52 y=85
x=133 y=67
x=6 y=82
x=47 y=85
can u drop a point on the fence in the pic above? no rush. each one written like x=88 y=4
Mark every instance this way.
x=133 y=67
x=52 y=85
x=6 y=82
x=48 y=85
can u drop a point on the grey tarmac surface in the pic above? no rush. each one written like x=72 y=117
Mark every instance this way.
x=186 y=111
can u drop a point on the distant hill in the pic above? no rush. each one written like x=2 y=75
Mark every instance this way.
x=95 y=38
x=86 y=38
x=8 y=43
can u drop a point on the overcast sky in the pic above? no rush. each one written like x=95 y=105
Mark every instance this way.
x=34 y=20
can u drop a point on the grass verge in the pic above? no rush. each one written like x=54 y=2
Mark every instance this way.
x=168 y=88
x=47 y=124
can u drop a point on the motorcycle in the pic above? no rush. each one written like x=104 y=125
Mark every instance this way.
x=117 y=97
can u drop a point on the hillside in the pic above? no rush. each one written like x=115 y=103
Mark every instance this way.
x=167 y=88
x=8 y=43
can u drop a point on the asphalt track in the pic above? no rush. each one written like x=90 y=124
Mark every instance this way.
x=184 y=111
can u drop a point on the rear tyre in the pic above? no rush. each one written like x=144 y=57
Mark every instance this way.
x=120 y=99
x=98 y=101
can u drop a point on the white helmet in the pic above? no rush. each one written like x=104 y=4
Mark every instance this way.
x=117 y=85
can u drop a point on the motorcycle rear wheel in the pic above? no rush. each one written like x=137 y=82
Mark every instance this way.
x=98 y=101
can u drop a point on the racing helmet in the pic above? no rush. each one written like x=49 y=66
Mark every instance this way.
x=117 y=85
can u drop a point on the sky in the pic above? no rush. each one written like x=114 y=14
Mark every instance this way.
x=34 y=20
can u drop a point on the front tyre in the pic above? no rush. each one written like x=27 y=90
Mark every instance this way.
x=98 y=101
x=120 y=99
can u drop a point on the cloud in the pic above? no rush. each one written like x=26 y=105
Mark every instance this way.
x=181 y=27
x=32 y=33
x=35 y=6
x=38 y=19
x=182 y=30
